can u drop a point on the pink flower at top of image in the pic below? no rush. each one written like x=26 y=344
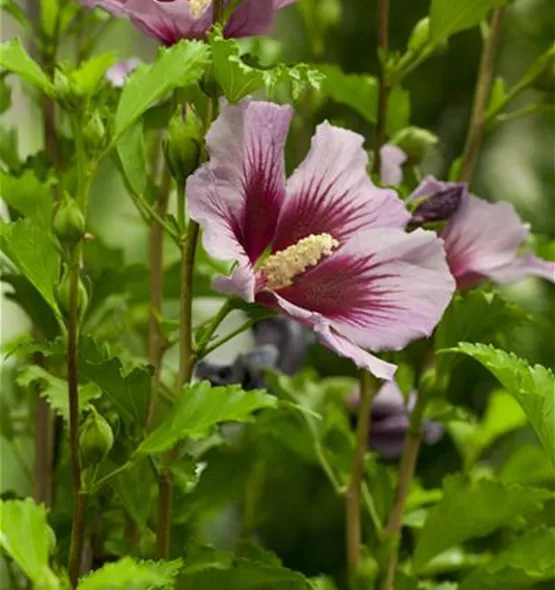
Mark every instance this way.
x=169 y=21
x=325 y=247
x=483 y=240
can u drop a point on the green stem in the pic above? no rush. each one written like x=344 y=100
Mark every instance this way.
x=155 y=334
x=79 y=496
x=383 y=48
x=217 y=343
x=223 y=312
x=406 y=473
x=518 y=114
x=353 y=491
x=477 y=125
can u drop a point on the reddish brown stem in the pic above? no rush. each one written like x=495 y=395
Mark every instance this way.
x=477 y=125
x=383 y=48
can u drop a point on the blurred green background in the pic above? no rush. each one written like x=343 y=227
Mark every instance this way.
x=516 y=164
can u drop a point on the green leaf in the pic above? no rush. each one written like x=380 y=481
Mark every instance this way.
x=131 y=152
x=530 y=465
x=128 y=574
x=8 y=148
x=29 y=196
x=33 y=251
x=54 y=389
x=448 y=17
x=180 y=65
x=238 y=79
x=452 y=560
x=497 y=94
x=527 y=561
x=208 y=569
x=532 y=387
x=472 y=509
x=474 y=316
x=26 y=537
x=199 y=409
x=15 y=59
x=360 y=93
x=12 y=8
x=128 y=391
x=503 y=414
x=87 y=77
x=357 y=91
x=5 y=96
x=48 y=16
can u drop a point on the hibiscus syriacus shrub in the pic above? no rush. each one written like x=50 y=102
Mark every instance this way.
x=265 y=332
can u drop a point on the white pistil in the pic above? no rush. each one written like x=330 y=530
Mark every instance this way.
x=280 y=269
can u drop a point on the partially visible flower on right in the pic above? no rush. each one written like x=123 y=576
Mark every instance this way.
x=119 y=72
x=389 y=420
x=482 y=240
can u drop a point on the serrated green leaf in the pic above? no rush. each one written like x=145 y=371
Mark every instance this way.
x=128 y=574
x=238 y=79
x=472 y=508
x=128 y=391
x=528 y=560
x=29 y=196
x=180 y=65
x=474 y=316
x=131 y=152
x=14 y=58
x=26 y=537
x=54 y=389
x=33 y=252
x=448 y=17
x=199 y=409
x=532 y=387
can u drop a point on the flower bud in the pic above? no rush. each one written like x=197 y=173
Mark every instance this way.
x=94 y=134
x=440 y=206
x=69 y=222
x=417 y=143
x=95 y=439
x=420 y=36
x=62 y=292
x=366 y=573
x=66 y=93
x=183 y=144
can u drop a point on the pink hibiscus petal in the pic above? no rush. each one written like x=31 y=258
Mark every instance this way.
x=522 y=267
x=381 y=289
x=482 y=237
x=328 y=336
x=251 y=17
x=237 y=195
x=331 y=192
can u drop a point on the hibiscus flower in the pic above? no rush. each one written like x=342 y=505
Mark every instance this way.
x=326 y=247
x=169 y=21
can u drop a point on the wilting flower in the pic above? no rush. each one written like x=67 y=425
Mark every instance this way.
x=390 y=420
x=279 y=343
x=172 y=20
x=117 y=74
x=326 y=247
x=483 y=240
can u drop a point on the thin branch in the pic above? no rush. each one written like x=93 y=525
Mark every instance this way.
x=406 y=473
x=383 y=49
x=477 y=125
x=353 y=491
